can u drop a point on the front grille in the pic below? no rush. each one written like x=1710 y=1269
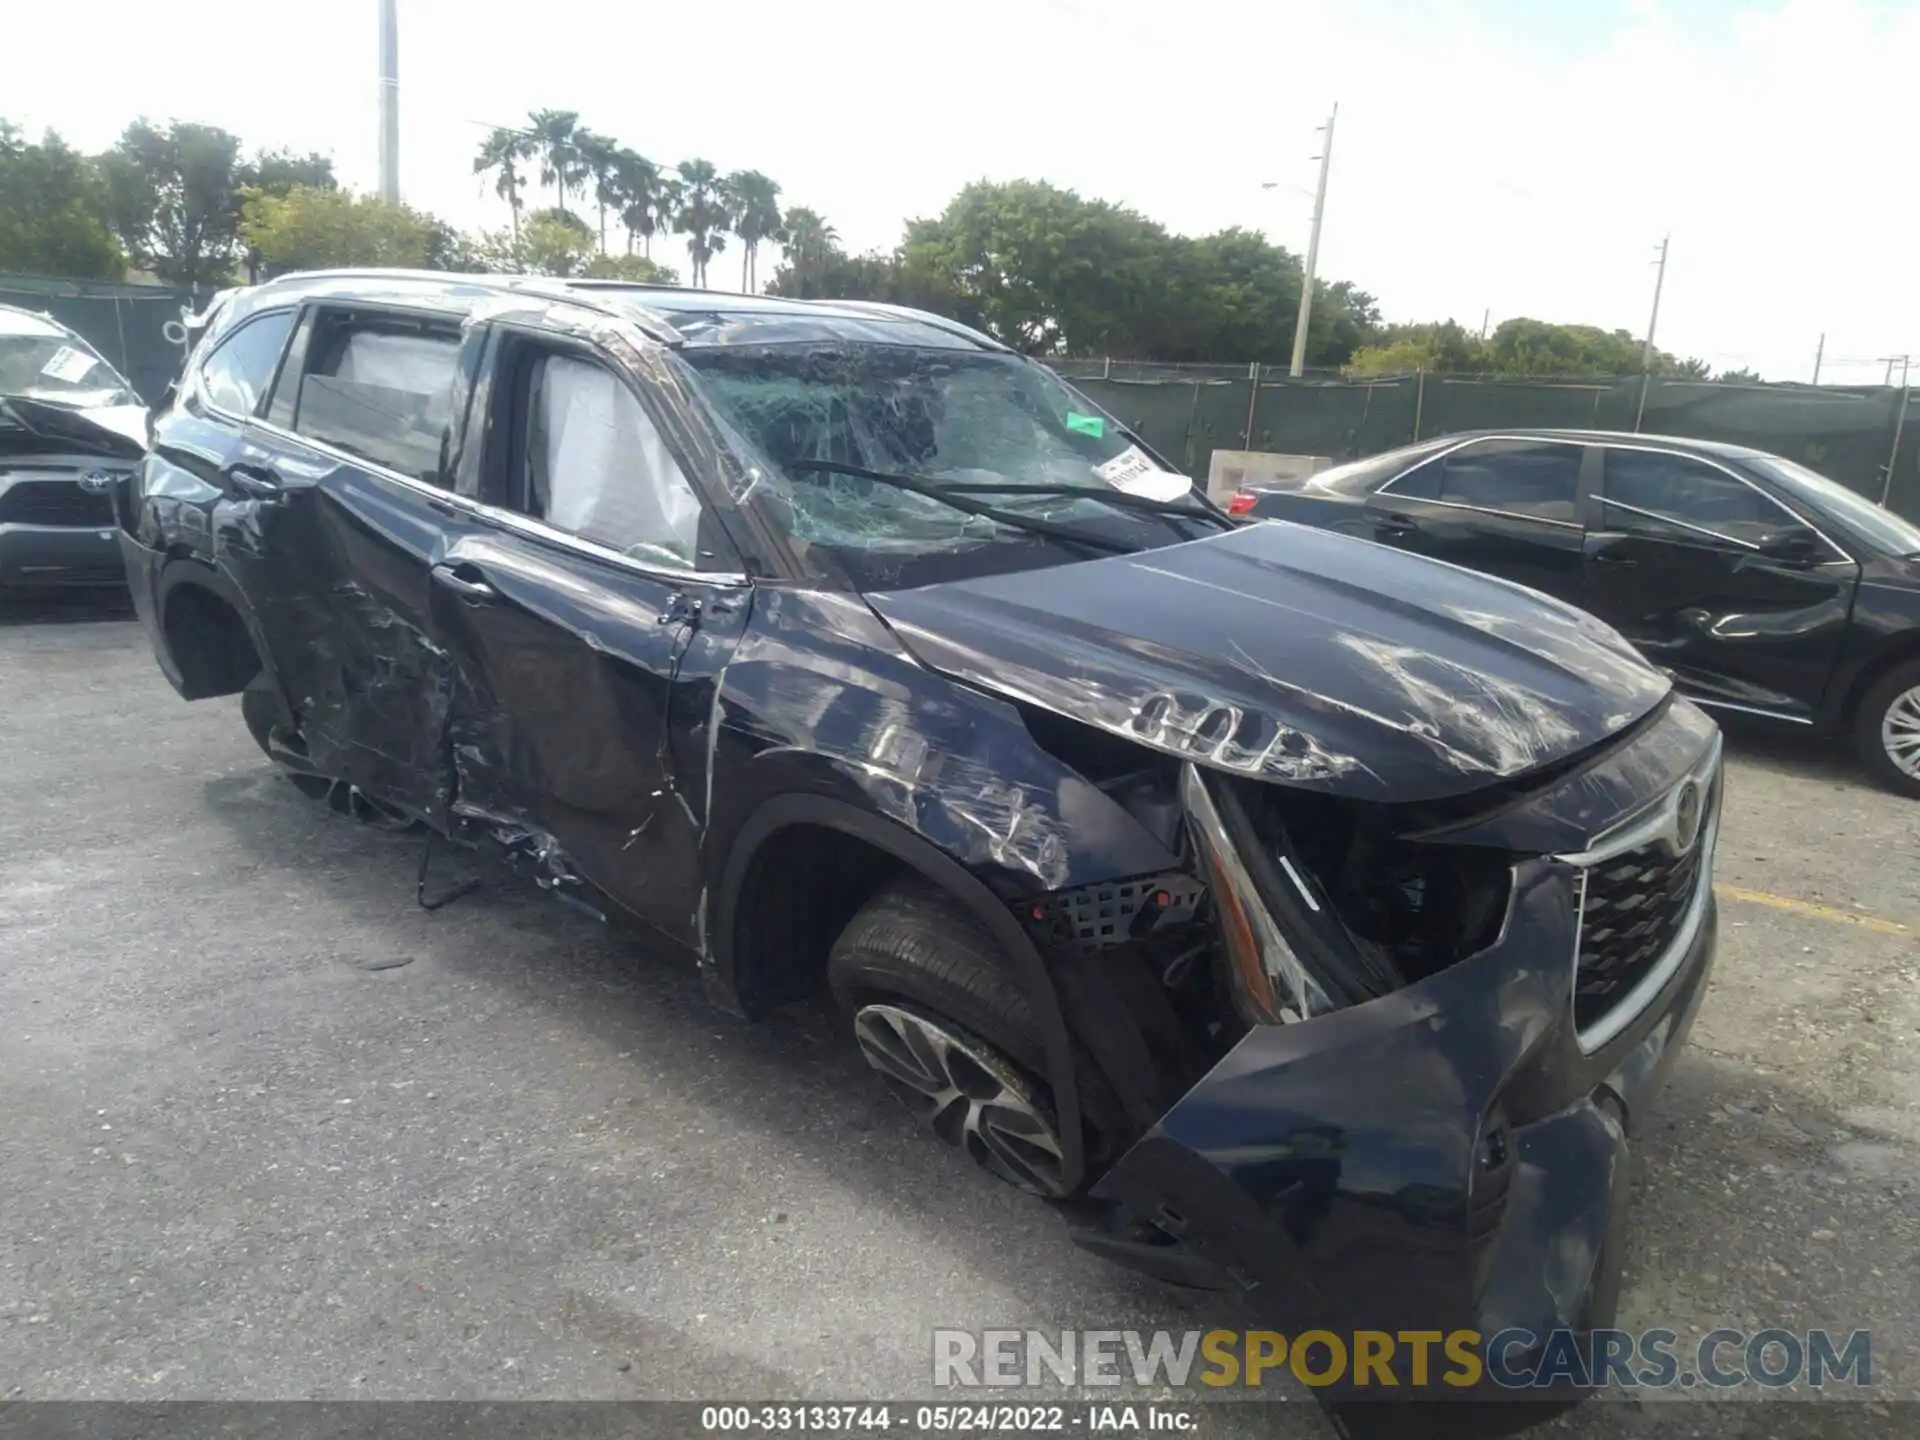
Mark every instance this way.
x=1633 y=909
x=54 y=502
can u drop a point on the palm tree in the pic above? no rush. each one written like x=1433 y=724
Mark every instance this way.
x=502 y=151
x=599 y=163
x=638 y=182
x=703 y=214
x=555 y=137
x=756 y=218
x=807 y=239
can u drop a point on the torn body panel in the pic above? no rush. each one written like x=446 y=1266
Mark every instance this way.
x=820 y=698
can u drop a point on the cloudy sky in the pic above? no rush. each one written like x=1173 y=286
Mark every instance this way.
x=1492 y=156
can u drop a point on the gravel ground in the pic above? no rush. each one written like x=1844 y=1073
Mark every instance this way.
x=269 y=1131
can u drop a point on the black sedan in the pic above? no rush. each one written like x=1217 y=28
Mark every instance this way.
x=1757 y=584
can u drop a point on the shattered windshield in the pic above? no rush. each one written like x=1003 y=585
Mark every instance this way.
x=44 y=361
x=938 y=416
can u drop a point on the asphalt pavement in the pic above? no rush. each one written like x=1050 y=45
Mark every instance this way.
x=270 y=1131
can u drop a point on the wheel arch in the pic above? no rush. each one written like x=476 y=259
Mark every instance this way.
x=897 y=850
x=1901 y=650
x=209 y=638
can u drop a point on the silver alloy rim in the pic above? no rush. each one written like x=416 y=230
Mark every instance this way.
x=1900 y=732
x=972 y=1096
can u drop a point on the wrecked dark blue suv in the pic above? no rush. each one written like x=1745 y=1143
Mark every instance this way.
x=1322 y=915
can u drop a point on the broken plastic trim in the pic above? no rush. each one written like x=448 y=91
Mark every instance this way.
x=1268 y=982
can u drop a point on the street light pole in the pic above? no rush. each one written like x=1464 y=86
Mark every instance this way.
x=389 y=102
x=1313 y=252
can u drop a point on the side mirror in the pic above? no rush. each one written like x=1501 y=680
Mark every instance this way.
x=1791 y=543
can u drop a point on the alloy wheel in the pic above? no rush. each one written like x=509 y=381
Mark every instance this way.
x=1900 y=732
x=973 y=1096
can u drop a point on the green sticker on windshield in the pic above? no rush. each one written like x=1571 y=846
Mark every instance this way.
x=1086 y=424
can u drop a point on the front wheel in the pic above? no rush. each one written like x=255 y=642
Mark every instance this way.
x=1886 y=729
x=950 y=1033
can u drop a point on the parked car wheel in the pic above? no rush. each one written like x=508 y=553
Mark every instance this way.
x=1886 y=730
x=950 y=1033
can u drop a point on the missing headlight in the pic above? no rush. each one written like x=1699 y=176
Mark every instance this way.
x=1406 y=909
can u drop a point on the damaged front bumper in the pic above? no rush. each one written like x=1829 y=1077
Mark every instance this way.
x=1451 y=1156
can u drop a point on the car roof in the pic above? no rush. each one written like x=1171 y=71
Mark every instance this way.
x=1688 y=444
x=668 y=313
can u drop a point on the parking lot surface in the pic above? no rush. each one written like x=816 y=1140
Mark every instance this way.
x=269 y=1130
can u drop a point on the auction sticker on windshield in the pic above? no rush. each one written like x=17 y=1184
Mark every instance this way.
x=68 y=364
x=1134 y=473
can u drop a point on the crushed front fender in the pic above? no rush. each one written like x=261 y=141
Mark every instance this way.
x=1443 y=1158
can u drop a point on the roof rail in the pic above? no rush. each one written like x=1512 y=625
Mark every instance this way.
x=938 y=322
x=655 y=325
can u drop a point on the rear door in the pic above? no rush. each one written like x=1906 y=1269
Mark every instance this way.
x=349 y=508
x=1506 y=507
x=588 y=619
x=1676 y=566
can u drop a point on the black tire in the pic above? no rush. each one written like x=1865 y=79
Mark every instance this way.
x=260 y=708
x=1871 y=715
x=915 y=943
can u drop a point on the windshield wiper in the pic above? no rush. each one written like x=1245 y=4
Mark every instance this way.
x=946 y=495
x=1119 y=499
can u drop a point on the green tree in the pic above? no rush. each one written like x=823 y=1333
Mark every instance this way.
x=756 y=219
x=53 y=218
x=278 y=172
x=634 y=269
x=808 y=244
x=275 y=172
x=501 y=155
x=555 y=140
x=702 y=214
x=1045 y=270
x=314 y=229
x=600 y=163
x=641 y=194
x=1446 y=346
x=1741 y=376
x=173 y=198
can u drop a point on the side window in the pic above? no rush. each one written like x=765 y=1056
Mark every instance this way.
x=590 y=461
x=236 y=373
x=1522 y=477
x=1687 y=491
x=379 y=386
x=1420 y=483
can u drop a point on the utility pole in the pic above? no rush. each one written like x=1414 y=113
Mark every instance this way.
x=1819 y=353
x=1313 y=252
x=389 y=102
x=1486 y=319
x=1899 y=424
x=1653 y=321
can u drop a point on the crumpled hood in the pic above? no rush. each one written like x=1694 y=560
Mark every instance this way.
x=119 y=431
x=1293 y=654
